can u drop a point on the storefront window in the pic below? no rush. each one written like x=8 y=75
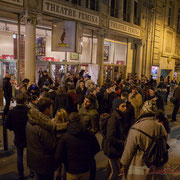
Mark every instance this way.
x=115 y=52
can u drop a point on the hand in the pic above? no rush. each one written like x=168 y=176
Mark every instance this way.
x=124 y=171
x=155 y=99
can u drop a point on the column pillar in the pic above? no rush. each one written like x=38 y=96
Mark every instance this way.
x=30 y=42
x=139 y=60
x=100 y=56
x=120 y=9
x=130 y=54
x=131 y=11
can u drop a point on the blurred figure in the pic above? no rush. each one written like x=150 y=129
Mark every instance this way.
x=24 y=86
x=44 y=78
x=33 y=89
x=7 y=90
x=76 y=149
x=16 y=122
x=176 y=102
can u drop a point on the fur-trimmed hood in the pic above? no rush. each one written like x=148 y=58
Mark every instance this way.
x=38 y=118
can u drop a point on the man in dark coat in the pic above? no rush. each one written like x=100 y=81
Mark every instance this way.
x=7 y=89
x=41 y=140
x=81 y=92
x=76 y=149
x=176 y=103
x=16 y=121
x=115 y=138
x=153 y=95
x=43 y=79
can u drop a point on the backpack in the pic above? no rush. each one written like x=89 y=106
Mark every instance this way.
x=157 y=152
x=103 y=123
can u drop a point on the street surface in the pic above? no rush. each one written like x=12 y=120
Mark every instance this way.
x=172 y=168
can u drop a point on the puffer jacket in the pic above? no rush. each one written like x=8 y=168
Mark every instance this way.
x=41 y=143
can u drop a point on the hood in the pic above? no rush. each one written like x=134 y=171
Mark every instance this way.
x=38 y=118
x=75 y=128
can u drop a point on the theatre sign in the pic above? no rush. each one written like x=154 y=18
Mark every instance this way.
x=58 y=9
x=17 y=2
x=124 y=28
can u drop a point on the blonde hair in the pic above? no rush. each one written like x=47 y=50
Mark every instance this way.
x=62 y=115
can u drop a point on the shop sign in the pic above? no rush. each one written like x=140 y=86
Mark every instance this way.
x=124 y=28
x=50 y=59
x=72 y=13
x=7 y=57
x=17 y=2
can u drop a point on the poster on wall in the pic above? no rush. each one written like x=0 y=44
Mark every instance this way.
x=74 y=56
x=67 y=37
x=106 y=53
x=155 y=70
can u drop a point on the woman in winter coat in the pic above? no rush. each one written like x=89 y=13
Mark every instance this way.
x=133 y=164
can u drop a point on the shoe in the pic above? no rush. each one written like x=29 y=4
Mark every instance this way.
x=20 y=177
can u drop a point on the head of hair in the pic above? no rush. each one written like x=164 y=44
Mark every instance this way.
x=61 y=90
x=44 y=103
x=21 y=98
x=25 y=80
x=74 y=117
x=125 y=94
x=63 y=115
x=45 y=95
x=152 y=88
x=91 y=97
x=71 y=87
x=33 y=98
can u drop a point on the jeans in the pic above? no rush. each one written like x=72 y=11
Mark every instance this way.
x=49 y=176
x=115 y=169
x=175 y=111
x=20 y=166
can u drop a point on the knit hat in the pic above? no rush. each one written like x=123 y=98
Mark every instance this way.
x=119 y=102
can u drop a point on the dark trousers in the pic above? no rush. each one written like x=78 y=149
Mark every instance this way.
x=20 y=166
x=115 y=167
x=49 y=176
x=6 y=108
x=175 y=111
x=93 y=170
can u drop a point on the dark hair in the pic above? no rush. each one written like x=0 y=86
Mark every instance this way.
x=124 y=94
x=21 y=98
x=25 y=80
x=71 y=87
x=33 y=98
x=44 y=103
x=74 y=117
x=152 y=88
x=61 y=91
x=91 y=97
x=45 y=94
x=81 y=81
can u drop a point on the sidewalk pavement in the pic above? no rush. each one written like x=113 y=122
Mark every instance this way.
x=8 y=168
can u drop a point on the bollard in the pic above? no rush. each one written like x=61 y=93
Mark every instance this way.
x=5 y=135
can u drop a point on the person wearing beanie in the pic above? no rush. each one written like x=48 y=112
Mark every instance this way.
x=115 y=138
x=76 y=149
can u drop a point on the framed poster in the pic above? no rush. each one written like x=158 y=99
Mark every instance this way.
x=106 y=53
x=74 y=56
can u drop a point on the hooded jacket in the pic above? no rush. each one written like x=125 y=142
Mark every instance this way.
x=41 y=142
x=89 y=117
x=76 y=149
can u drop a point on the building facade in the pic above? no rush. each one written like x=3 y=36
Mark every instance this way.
x=119 y=37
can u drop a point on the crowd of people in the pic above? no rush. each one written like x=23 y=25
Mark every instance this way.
x=58 y=124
